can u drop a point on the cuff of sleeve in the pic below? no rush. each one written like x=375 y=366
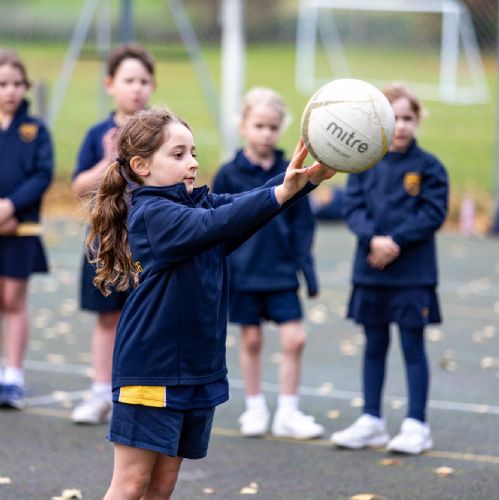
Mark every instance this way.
x=397 y=238
x=365 y=240
x=273 y=197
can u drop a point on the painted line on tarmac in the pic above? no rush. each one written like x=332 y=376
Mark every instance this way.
x=83 y=370
x=450 y=455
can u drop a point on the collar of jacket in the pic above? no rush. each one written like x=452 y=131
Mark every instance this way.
x=245 y=164
x=396 y=154
x=177 y=193
x=22 y=110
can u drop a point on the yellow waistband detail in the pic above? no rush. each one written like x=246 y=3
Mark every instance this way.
x=26 y=229
x=145 y=395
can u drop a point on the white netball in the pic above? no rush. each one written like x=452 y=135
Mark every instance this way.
x=348 y=125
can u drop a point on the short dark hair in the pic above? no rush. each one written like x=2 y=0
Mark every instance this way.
x=11 y=58
x=129 y=51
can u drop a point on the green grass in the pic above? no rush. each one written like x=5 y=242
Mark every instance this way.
x=461 y=136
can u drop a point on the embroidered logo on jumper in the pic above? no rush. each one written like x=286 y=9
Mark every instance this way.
x=412 y=183
x=426 y=312
x=138 y=267
x=28 y=132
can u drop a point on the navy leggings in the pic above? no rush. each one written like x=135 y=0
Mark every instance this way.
x=416 y=364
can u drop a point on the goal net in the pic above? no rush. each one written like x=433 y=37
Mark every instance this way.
x=430 y=44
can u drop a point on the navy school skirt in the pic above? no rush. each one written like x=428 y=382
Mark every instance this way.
x=21 y=256
x=412 y=307
x=91 y=298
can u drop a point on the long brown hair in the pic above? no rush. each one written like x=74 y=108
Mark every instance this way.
x=107 y=241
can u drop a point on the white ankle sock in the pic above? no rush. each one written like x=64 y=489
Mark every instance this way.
x=103 y=390
x=13 y=376
x=256 y=402
x=286 y=402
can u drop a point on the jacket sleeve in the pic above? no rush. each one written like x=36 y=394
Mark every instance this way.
x=177 y=233
x=355 y=210
x=32 y=189
x=220 y=183
x=432 y=207
x=302 y=223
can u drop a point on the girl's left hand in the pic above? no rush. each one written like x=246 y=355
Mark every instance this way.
x=6 y=209
x=297 y=175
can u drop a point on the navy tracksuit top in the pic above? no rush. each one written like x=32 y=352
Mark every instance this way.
x=26 y=163
x=405 y=196
x=92 y=150
x=172 y=330
x=271 y=259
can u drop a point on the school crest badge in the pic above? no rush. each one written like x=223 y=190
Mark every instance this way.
x=412 y=183
x=28 y=132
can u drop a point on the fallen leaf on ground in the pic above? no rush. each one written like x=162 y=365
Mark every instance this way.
x=5 y=480
x=251 y=489
x=444 y=471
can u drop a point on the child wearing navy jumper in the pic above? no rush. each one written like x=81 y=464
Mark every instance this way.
x=130 y=81
x=264 y=272
x=395 y=209
x=150 y=225
x=26 y=167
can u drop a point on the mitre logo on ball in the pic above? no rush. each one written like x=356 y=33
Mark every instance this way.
x=348 y=125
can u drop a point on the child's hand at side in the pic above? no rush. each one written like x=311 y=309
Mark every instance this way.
x=6 y=209
x=297 y=176
x=383 y=252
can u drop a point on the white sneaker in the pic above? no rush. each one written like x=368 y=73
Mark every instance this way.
x=414 y=438
x=94 y=410
x=295 y=424
x=254 y=422
x=367 y=430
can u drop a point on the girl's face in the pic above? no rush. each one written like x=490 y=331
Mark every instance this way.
x=406 y=124
x=12 y=89
x=175 y=161
x=261 y=129
x=131 y=86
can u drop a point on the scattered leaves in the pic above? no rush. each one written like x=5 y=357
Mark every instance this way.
x=251 y=489
x=367 y=496
x=333 y=414
x=208 y=491
x=5 y=480
x=390 y=461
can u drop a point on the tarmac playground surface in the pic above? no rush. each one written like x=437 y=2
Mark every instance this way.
x=43 y=453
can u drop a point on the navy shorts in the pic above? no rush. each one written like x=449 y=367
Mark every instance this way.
x=249 y=308
x=176 y=433
x=21 y=256
x=413 y=307
x=91 y=298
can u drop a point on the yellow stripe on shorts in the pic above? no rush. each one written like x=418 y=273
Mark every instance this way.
x=145 y=395
x=26 y=229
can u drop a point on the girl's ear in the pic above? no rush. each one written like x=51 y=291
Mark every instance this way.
x=140 y=166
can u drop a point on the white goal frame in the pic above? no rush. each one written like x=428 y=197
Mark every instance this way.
x=456 y=26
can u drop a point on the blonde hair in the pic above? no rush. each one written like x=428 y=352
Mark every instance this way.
x=107 y=241
x=397 y=90
x=267 y=97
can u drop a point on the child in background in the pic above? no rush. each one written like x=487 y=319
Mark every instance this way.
x=395 y=208
x=169 y=367
x=264 y=272
x=130 y=81
x=26 y=167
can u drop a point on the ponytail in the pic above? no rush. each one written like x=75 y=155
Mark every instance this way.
x=107 y=243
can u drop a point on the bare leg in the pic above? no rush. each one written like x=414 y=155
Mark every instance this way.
x=250 y=358
x=293 y=340
x=15 y=308
x=164 y=478
x=103 y=345
x=132 y=473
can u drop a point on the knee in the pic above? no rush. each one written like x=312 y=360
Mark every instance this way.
x=13 y=304
x=164 y=490
x=108 y=321
x=294 y=342
x=130 y=488
x=252 y=342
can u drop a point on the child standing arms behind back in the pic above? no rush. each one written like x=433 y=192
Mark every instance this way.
x=169 y=367
x=26 y=166
x=264 y=272
x=395 y=209
x=130 y=81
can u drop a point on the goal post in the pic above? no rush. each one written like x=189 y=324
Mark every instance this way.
x=458 y=53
